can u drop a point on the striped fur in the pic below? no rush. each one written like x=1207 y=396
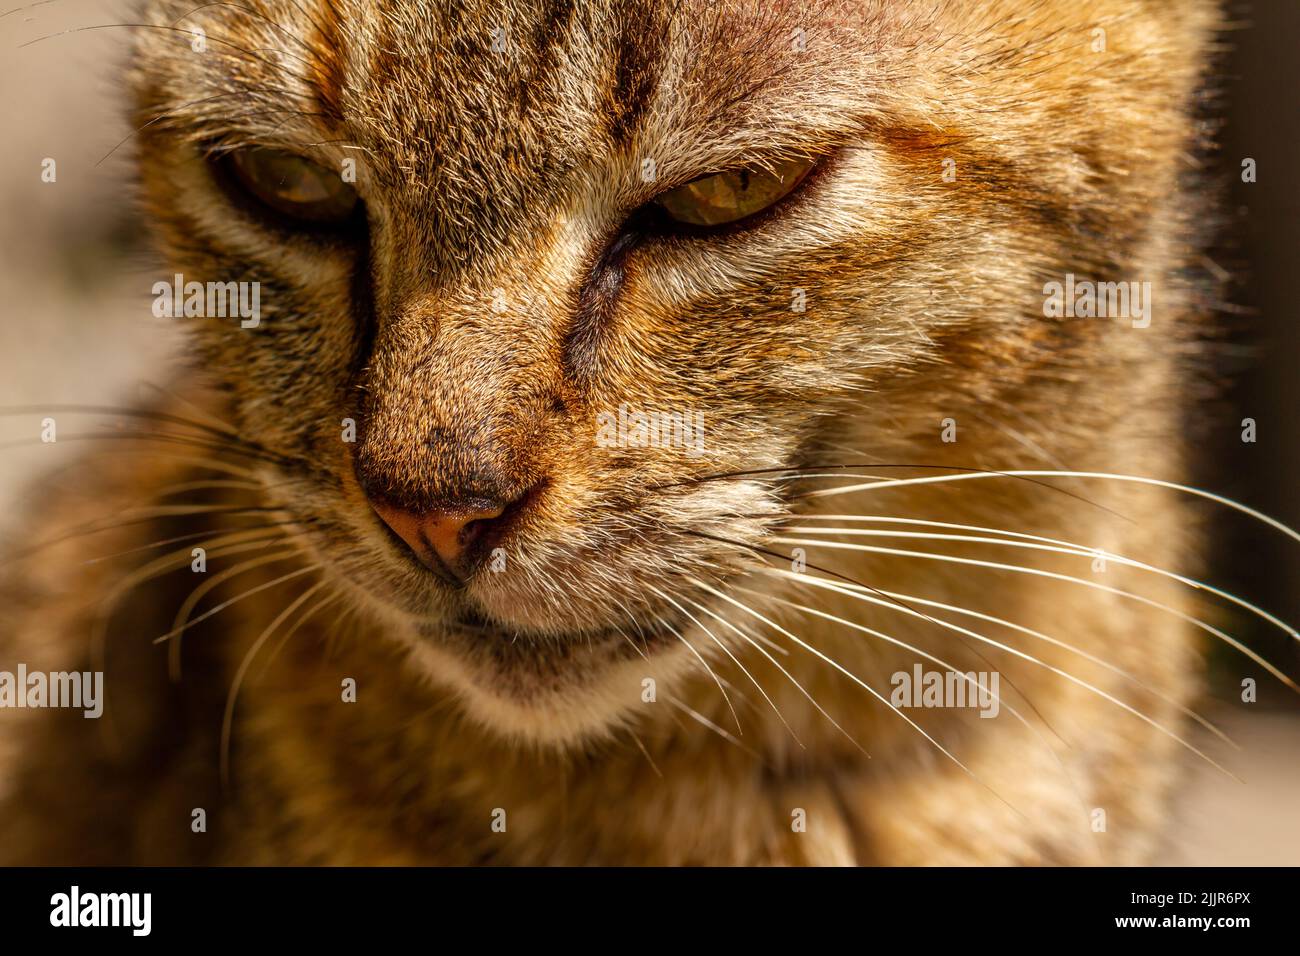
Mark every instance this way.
x=496 y=308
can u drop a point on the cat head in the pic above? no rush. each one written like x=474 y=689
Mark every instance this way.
x=535 y=280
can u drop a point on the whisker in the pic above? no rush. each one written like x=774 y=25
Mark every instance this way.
x=767 y=552
x=194 y=461
x=1041 y=473
x=645 y=753
x=251 y=484
x=228 y=718
x=211 y=484
x=200 y=411
x=185 y=537
x=172 y=635
x=228 y=544
x=865 y=686
x=966 y=472
x=152 y=514
x=735 y=660
x=1057 y=547
x=957 y=628
x=255 y=14
x=696 y=715
x=776 y=663
x=763 y=639
x=124 y=411
x=889 y=638
x=222 y=546
x=246 y=91
x=1020 y=438
x=631 y=643
x=332 y=636
x=631 y=617
x=1064 y=770
x=284 y=639
x=188 y=441
x=1039 y=572
x=1012 y=625
x=25 y=7
x=709 y=670
x=189 y=33
x=179 y=622
x=827 y=571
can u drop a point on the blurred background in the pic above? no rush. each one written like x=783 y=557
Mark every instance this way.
x=75 y=326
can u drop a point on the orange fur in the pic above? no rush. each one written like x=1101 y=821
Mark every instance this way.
x=486 y=325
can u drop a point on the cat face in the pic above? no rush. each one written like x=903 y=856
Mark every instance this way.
x=528 y=271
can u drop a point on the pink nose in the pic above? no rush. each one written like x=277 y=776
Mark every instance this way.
x=441 y=536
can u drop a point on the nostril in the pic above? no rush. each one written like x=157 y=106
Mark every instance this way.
x=448 y=537
x=449 y=530
x=476 y=528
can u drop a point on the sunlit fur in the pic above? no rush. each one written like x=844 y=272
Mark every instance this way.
x=488 y=318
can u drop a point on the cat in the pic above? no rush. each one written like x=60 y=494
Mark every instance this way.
x=640 y=399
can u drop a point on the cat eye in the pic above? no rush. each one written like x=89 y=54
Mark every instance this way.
x=724 y=198
x=293 y=186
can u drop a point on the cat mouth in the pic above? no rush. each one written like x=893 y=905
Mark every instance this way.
x=473 y=626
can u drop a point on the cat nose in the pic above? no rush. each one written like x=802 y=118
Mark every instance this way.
x=442 y=537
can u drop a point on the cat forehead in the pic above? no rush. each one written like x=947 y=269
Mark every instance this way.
x=598 y=66
x=592 y=71
x=480 y=111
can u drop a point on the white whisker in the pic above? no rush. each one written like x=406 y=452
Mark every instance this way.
x=777 y=664
x=742 y=667
x=857 y=680
x=957 y=628
x=1056 y=642
x=691 y=647
x=631 y=643
x=726 y=650
x=1039 y=572
x=221 y=546
x=1039 y=473
x=645 y=753
x=696 y=715
x=1055 y=546
x=173 y=561
x=889 y=638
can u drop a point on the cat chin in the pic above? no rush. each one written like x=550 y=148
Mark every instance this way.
x=561 y=701
x=555 y=690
